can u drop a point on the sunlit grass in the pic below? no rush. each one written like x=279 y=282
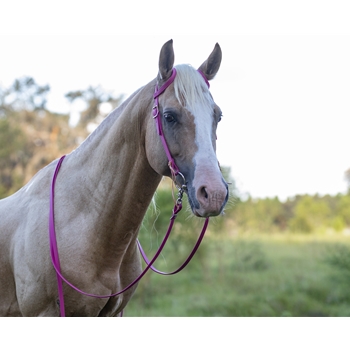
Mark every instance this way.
x=255 y=275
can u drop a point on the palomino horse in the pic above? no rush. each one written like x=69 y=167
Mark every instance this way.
x=102 y=193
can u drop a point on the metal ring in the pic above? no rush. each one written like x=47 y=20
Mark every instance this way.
x=183 y=187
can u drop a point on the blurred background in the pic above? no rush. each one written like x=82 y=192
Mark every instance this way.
x=282 y=248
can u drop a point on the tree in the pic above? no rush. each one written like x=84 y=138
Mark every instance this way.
x=30 y=135
x=310 y=213
x=93 y=97
x=343 y=209
x=24 y=94
x=12 y=142
x=347 y=178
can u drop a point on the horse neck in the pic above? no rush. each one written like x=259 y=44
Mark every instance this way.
x=112 y=172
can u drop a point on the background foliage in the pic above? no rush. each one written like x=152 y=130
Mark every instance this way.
x=263 y=257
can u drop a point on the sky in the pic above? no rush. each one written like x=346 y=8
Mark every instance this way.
x=283 y=86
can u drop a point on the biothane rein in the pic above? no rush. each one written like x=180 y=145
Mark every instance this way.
x=177 y=208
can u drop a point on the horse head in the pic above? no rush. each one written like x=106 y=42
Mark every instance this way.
x=189 y=118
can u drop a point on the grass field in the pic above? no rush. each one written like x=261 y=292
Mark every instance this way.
x=251 y=275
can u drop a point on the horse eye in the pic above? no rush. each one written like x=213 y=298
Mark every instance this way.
x=220 y=117
x=169 y=117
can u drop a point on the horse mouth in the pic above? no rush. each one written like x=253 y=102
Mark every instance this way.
x=204 y=214
x=196 y=213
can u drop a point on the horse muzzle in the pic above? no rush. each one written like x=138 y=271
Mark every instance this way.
x=208 y=199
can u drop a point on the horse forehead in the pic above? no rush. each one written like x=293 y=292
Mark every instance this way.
x=202 y=117
x=198 y=115
x=199 y=108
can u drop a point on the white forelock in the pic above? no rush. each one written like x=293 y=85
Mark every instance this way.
x=191 y=89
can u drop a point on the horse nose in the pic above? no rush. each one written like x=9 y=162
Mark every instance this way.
x=211 y=199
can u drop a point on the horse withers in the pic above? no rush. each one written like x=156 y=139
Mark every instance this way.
x=102 y=193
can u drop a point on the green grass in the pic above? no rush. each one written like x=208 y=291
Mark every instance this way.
x=257 y=275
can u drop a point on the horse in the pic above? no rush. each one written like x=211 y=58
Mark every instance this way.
x=102 y=192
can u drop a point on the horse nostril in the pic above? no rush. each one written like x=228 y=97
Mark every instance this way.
x=204 y=192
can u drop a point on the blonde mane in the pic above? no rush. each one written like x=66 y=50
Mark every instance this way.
x=190 y=88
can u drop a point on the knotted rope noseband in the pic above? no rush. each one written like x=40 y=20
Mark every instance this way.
x=178 y=206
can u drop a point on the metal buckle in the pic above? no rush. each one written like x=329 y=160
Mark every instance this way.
x=155 y=111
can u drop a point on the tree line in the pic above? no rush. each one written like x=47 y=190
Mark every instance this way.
x=31 y=136
x=302 y=214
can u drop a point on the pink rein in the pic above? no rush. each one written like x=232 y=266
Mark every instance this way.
x=149 y=263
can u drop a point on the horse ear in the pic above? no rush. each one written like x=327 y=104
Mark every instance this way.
x=166 y=60
x=211 y=66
